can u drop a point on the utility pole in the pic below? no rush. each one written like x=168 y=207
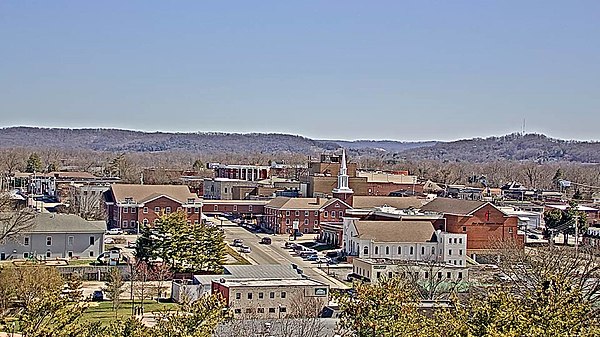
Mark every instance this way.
x=576 y=232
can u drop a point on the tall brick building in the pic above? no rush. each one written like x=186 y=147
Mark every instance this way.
x=130 y=205
x=282 y=212
x=484 y=224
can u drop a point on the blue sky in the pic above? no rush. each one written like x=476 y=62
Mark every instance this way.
x=404 y=70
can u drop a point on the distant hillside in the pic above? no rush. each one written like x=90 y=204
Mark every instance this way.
x=382 y=145
x=114 y=140
x=530 y=147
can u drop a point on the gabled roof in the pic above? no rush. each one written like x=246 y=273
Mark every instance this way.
x=65 y=223
x=143 y=193
x=287 y=203
x=395 y=231
x=453 y=206
x=359 y=202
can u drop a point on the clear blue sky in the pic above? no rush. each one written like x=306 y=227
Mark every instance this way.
x=405 y=70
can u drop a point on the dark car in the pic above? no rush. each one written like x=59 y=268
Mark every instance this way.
x=266 y=241
x=98 y=295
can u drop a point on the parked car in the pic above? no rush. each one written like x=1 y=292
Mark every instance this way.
x=131 y=244
x=265 y=241
x=532 y=236
x=306 y=253
x=313 y=257
x=245 y=249
x=98 y=295
x=333 y=253
x=114 y=231
x=109 y=241
x=238 y=242
x=290 y=245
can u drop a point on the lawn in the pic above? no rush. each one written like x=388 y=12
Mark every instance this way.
x=102 y=311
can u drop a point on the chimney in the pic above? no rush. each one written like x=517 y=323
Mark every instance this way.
x=318 y=202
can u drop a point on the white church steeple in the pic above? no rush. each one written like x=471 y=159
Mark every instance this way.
x=342 y=183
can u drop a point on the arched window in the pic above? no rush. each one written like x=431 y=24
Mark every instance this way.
x=376 y=250
x=387 y=250
x=399 y=250
x=366 y=250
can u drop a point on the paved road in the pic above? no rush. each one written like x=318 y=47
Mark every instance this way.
x=275 y=253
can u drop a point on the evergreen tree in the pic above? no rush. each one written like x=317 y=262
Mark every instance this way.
x=114 y=287
x=34 y=163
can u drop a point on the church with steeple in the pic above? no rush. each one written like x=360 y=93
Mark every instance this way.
x=343 y=190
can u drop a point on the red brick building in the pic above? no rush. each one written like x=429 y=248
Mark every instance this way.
x=131 y=205
x=282 y=213
x=484 y=224
x=248 y=209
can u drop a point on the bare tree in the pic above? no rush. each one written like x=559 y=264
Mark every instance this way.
x=14 y=219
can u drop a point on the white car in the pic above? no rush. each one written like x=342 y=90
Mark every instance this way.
x=114 y=231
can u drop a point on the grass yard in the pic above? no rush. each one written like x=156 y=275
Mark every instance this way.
x=102 y=311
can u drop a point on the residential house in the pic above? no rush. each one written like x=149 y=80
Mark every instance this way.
x=57 y=236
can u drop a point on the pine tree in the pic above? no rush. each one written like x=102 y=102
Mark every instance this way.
x=34 y=163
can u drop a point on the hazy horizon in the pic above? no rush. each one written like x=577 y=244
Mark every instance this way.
x=390 y=70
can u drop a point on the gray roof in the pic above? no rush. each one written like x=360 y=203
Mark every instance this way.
x=261 y=271
x=65 y=223
x=395 y=231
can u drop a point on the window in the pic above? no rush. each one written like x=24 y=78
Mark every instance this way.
x=92 y=240
x=316 y=222
x=145 y=210
x=305 y=213
x=426 y=275
x=297 y=213
x=156 y=209
x=70 y=254
x=261 y=296
x=460 y=262
x=449 y=251
x=460 y=240
x=455 y=240
x=249 y=208
x=325 y=214
x=287 y=221
x=91 y=253
x=124 y=223
x=422 y=250
x=26 y=255
x=271 y=310
x=378 y=274
x=412 y=250
x=460 y=275
x=145 y=221
x=26 y=241
x=260 y=310
x=48 y=241
x=189 y=210
x=376 y=249
x=216 y=208
x=448 y=275
x=283 y=294
x=237 y=311
x=287 y=213
x=449 y=240
x=70 y=240
x=249 y=296
x=366 y=250
x=238 y=296
x=399 y=250
x=305 y=230
x=133 y=210
x=510 y=231
x=439 y=275
x=333 y=214
x=271 y=295
x=316 y=213
x=432 y=250
x=306 y=221
x=464 y=229
x=48 y=253
x=125 y=209
x=282 y=309
x=387 y=250
x=196 y=222
x=168 y=210
x=235 y=208
x=460 y=252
